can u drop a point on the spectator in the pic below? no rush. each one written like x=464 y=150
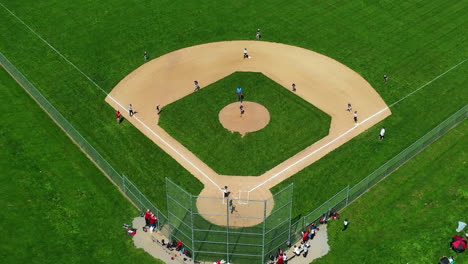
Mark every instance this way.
x=312 y=234
x=451 y=260
x=323 y=219
x=335 y=215
x=280 y=260
x=179 y=245
x=152 y=222
x=297 y=251
x=305 y=248
x=313 y=226
x=147 y=216
x=305 y=236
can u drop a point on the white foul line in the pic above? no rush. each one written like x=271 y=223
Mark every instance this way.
x=95 y=84
x=169 y=145
x=440 y=75
x=48 y=44
x=367 y=119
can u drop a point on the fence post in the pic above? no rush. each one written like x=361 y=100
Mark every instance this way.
x=290 y=210
x=227 y=229
x=191 y=220
x=123 y=184
x=169 y=212
x=347 y=196
x=264 y=229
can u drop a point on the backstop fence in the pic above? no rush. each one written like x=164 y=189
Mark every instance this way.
x=227 y=240
x=242 y=230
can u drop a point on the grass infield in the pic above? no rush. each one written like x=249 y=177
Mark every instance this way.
x=411 y=216
x=56 y=204
x=294 y=125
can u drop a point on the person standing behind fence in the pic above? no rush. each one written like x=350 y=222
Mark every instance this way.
x=152 y=222
x=148 y=214
x=305 y=249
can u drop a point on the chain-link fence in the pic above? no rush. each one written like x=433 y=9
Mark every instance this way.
x=349 y=194
x=122 y=182
x=236 y=230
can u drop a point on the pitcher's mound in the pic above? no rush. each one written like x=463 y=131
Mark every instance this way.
x=255 y=117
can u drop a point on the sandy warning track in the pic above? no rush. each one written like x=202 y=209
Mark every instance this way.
x=320 y=80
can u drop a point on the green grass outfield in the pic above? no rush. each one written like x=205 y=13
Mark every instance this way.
x=294 y=125
x=411 y=216
x=411 y=41
x=55 y=205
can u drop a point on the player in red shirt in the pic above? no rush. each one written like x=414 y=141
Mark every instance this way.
x=179 y=245
x=147 y=216
x=305 y=236
x=117 y=115
x=152 y=221
x=280 y=260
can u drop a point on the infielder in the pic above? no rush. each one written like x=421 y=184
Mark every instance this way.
x=130 y=110
x=246 y=55
x=196 y=86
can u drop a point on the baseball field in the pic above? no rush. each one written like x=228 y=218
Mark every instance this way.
x=86 y=57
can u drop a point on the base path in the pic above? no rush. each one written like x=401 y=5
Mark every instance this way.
x=320 y=80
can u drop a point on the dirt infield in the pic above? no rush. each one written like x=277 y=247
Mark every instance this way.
x=320 y=80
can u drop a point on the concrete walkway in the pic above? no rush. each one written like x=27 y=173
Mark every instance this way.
x=151 y=243
x=318 y=248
